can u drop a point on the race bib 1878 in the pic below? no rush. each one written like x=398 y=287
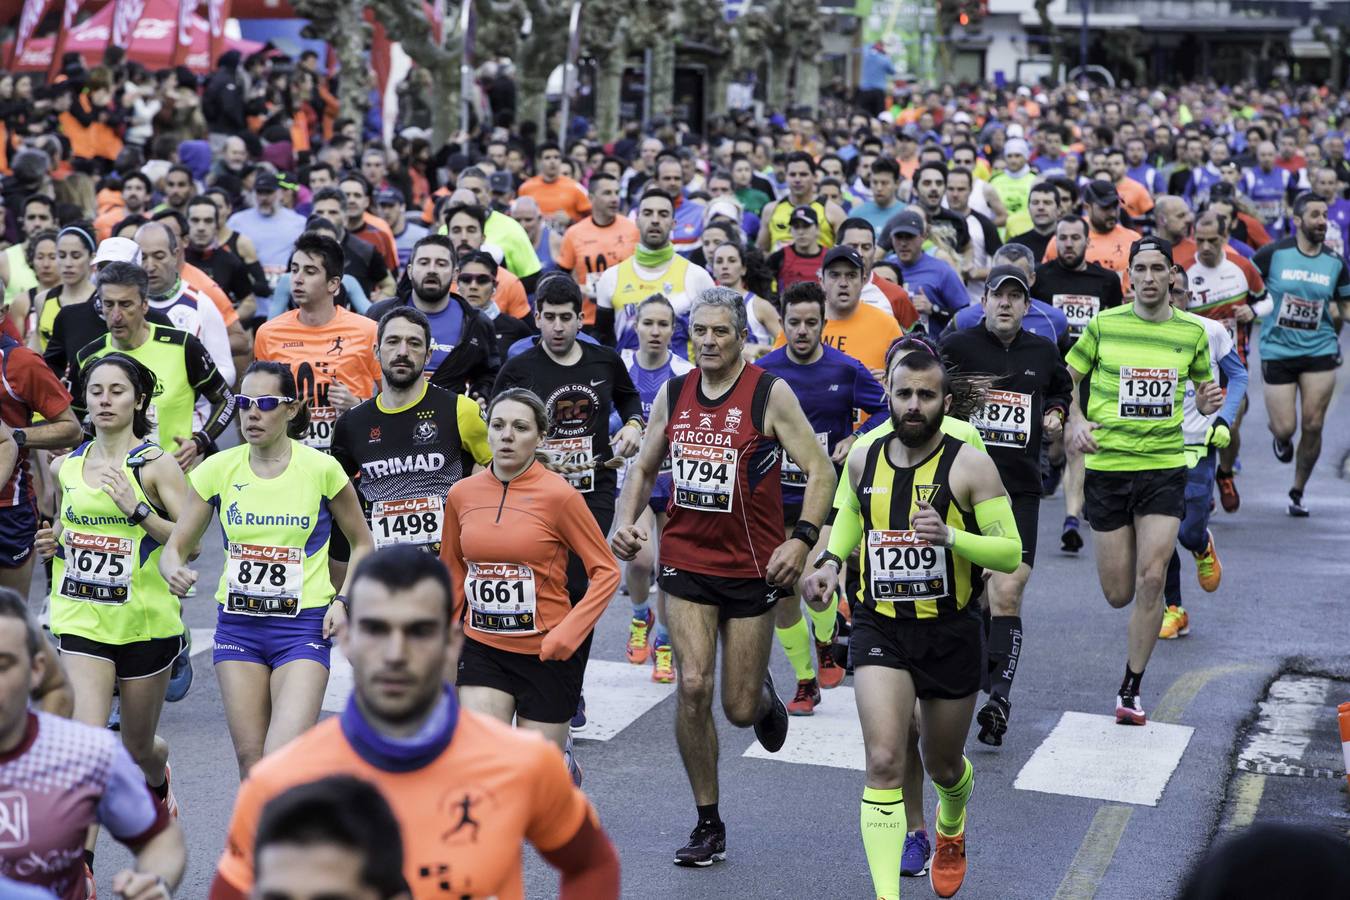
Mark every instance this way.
x=1005 y=419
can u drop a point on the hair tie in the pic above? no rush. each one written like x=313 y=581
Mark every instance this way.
x=75 y=229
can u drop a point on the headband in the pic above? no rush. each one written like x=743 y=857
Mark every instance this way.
x=75 y=229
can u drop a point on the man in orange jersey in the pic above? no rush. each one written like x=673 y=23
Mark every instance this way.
x=602 y=240
x=467 y=791
x=851 y=326
x=1108 y=241
x=559 y=197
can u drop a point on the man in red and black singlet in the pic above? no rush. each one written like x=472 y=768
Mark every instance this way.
x=799 y=260
x=723 y=559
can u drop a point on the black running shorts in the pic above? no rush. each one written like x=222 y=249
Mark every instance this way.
x=545 y=691
x=944 y=656
x=1112 y=500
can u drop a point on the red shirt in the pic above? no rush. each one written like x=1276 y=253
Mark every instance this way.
x=28 y=386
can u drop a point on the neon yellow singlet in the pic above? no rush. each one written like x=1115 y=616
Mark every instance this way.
x=106 y=584
x=276 y=529
x=780 y=233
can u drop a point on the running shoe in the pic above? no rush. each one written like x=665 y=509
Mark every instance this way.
x=772 y=729
x=1284 y=450
x=993 y=719
x=917 y=852
x=830 y=673
x=573 y=767
x=170 y=801
x=1208 y=569
x=663 y=663
x=180 y=678
x=707 y=845
x=1129 y=711
x=1175 y=624
x=639 y=648
x=115 y=714
x=1071 y=541
x=1296 y=507
x=947 y=870
x=808 y=696
x=1228 y=493
x=579 y=717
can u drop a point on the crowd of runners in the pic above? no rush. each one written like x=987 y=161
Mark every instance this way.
x=801 y=382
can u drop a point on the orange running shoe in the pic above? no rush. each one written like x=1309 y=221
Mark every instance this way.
x=1228 y=493
x=830 y=673
x=804 y=703
x=948 y=869
x=663 y=664
x=1175 y=624
x=638 y=646
x=1208 y=569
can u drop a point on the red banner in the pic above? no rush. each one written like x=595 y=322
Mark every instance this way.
x=125 y=16
x=217 y=11
x=183 y=43
x=33 y=11
x=67 y=23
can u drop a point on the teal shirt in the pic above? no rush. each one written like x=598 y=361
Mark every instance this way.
x=1303 y=289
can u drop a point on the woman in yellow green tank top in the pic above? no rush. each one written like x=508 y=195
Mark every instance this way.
x=277 y=501
x=40 y=252
x=75 y=267
x=116 y=623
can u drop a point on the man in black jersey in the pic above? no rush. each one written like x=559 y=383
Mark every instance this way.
x=406 y=446
x=360 y=259
x=224 y=267
x=477 y=282
x=1028 y=402
x=1080 y=289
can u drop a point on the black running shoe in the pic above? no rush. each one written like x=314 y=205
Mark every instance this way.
x=707 y=845
x=993 y=719
x=1284 y=450
x=1071 y=541
x=771 y=730
x=1296 y=507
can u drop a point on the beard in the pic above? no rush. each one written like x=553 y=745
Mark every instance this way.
x=916 y=432
x=431 y=294
x=392 y=379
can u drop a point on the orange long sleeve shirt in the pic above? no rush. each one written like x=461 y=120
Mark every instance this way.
x=506 y=545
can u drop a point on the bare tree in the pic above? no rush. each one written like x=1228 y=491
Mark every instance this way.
x=342 y=24
x=785 y=36
x=406 y=24
x=1052 y=38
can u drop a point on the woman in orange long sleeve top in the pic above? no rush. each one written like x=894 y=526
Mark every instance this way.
x=507 y=535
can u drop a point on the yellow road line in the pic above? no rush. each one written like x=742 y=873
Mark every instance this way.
x=1094 y=854
x=1179 y=696
x=1247 y=788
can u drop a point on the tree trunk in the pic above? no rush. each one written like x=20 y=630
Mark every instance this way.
x=350 y=48
x=1056 y=51
x=663 y=79
x=719 y=79
x=445 y=101
x=532 y=100
x=608 y=85
x=807 y=87
x=776 y=87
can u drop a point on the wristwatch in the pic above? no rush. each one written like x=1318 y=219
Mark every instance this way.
x=20 y=437
x=828 y=557
x=140 y=514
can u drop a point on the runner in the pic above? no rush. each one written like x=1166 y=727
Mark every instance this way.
x=654 y=268
x=722 y=561
x=37 y=213
x=118 y=627
x=885 y=295
x=477 y=283
x=1134 y=358
x=1309 y=299
x=1205 y=437
x=277 y=605
x=467 y=791
x=408 y=445
x=184 y=371
x=799 y=259
x=800 y=170
x=1027 y=407
x=1079 y=289
x=729 y=269
x=852 y=327
x=1224 y=289
x=934 y=287
x=99 y=784
x=1109 y=242
x=509 y=531
x=270 y=226
x=555 y=193
x=25 y=310
x=598 y=242
x=75 y=266
x=916 y=633
x=808 y=366
x=651 y=366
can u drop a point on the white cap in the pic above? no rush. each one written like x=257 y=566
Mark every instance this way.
x=1014 y=130
x=961 y=117
x=1016 y=145
x=723 y=206
x=494 y=251
x=118 y=249
x=1024 y=91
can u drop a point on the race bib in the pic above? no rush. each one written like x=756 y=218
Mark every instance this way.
x=1300 y=314
x=98 y=568
x=574 y=458
x=704 y=477
x=319 y=435
x=902 y=568
x=1005 y=419
x=263 y=581
x=792 y=473
x=501 y=598
x=1147 y=393
x=1078 y=309
x=415 y=521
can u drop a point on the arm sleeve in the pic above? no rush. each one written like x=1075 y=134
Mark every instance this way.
x=846 y=530
x=1236 y=373
x=472 y=430
x=993 y=548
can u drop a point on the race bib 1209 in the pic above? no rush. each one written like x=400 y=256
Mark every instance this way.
x=902 y=568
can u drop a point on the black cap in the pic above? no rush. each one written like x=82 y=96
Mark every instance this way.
x=1000 y=274
x=388 y=195
x=907 y=221
x=1101 y=193
x=1152 y=242
x=803 y=215
x=266 y=183
x=847 y=254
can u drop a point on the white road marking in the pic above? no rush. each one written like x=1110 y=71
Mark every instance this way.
x=1285 y=725
x=203 y=639
x=832 y=737
x=617 y=695
x=1092 y=756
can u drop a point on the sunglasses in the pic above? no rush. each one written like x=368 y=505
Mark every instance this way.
x=475 y=279
x=266 y=404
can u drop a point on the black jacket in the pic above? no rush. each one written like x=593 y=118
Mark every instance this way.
x=472 y=366
x=223 y=100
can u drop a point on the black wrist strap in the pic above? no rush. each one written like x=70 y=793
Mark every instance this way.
x=807 y=533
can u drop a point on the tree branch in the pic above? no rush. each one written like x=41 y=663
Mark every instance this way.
x=404 y=22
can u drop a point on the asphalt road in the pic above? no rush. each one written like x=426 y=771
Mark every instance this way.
x=793 y=824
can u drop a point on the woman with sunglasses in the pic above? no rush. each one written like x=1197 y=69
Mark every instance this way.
x=117 y=625
x=277 y=501
x=731 y=268
x=75 y=268
x=508 y=532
